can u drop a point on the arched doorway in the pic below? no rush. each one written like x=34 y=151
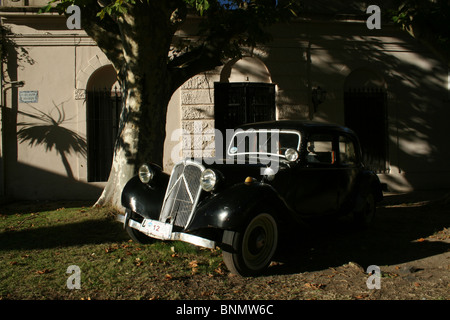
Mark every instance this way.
x=365 y=103
x=104 y=102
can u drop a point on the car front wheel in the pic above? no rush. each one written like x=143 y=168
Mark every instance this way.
x=249 y=253
x=136 y=235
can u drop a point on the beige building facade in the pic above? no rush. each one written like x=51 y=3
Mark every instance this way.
x=382 y=83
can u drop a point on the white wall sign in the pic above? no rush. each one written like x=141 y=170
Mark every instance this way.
x=28 y=96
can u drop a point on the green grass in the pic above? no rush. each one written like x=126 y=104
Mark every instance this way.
x=39 y=243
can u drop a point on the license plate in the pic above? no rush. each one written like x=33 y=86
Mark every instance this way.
x=157 y=229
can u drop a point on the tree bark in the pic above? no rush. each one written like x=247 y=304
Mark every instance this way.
x=147 y=91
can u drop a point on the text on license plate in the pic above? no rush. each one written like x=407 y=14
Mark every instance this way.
x=157 y=229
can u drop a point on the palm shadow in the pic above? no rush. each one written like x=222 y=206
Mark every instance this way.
x=48 y=131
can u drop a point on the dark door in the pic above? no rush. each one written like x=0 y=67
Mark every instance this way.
x=365 y=113
x=103 y=113
x=240 y=103
x=316 y=182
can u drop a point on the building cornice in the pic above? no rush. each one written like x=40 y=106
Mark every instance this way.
x=48 y=39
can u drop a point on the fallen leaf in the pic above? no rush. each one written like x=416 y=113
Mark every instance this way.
x=193 y=264
x=421 y=240
x=168 y=277
x=43 y=271
x=219 y=271
x=316 y=286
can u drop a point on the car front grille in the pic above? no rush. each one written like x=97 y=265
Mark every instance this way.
x=182 y=194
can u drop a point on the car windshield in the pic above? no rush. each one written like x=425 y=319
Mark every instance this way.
x=264 y=141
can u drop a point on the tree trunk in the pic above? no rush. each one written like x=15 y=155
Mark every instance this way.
x=149 y=79
x=141 y=140
x=147 y=90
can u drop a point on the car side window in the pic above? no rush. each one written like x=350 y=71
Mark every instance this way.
x=347 y=153
x=319 y=150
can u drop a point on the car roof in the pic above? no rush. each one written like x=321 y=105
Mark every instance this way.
x=299 y=125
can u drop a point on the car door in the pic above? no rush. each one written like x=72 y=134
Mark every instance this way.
x=349 y=166
x=316 y=181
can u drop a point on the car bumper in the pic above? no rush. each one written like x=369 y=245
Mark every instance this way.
x=163 y=231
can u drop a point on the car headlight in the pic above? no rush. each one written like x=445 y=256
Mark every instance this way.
x=146 y=174
x=291 y=154
x=208 y=180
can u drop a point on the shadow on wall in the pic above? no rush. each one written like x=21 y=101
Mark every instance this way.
x=22 y=181
x=47 y=130
x=417 y=99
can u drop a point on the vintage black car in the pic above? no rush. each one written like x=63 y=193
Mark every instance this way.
x=274 y=174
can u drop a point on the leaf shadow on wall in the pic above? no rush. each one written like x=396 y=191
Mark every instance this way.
x=47 y=130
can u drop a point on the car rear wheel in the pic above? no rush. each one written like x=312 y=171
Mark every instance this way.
x=249 y=253
x=366 y=216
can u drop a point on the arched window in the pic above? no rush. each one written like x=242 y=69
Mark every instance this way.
x=104 y=102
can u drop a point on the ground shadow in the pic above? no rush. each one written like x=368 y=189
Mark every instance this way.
x=397 y=236
x=66 y=235
x=36 y=206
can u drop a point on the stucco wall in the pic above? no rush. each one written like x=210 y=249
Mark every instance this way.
x=45 y=152
x=56 y=64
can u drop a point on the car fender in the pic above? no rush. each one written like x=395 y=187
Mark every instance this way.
x=231 y=209
x=145 y=199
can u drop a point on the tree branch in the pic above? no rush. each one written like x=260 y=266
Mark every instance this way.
x=106 y=34
x=189 y=64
